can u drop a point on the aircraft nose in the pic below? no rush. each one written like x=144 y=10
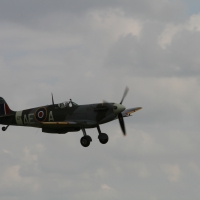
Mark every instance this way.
x=118 y=108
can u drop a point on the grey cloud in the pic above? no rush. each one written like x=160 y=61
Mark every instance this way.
x=184 y=53
x=27 y=12
x=144 y=56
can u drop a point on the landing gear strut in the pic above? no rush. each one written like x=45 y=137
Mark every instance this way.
x=86 y=139
x=4 y=128
x=103 y=137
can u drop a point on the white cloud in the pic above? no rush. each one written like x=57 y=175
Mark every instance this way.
x=141 y=170
x=7 y=152
x=12 y=180
x=105 y=187
x=115 y=23
x=168 y=33
x=28 y=157
x=173 y=171
x=11 y=176
x=192 y=25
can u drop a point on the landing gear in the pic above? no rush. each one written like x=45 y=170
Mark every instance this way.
x=103 y=137
x=86 y=139
x=4 y=128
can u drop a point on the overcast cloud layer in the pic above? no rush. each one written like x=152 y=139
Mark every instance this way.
x=89 y=51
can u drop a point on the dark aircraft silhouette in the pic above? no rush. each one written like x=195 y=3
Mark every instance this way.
x=68 y=117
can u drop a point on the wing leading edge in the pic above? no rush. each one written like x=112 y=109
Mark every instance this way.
x=128 y=112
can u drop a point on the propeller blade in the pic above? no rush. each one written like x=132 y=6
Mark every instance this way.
x=124 y=95
x=52 y=98
x=121 y=122
x=104 y=101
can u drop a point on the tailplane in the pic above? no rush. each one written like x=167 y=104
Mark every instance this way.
x=4 y=108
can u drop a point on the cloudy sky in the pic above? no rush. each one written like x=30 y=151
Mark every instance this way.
x=89 y=51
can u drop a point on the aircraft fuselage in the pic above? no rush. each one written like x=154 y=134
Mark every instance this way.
x=89 y=115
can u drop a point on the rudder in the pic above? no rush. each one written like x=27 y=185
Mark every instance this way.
x=4 y=108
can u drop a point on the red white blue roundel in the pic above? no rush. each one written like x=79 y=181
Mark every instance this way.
x=41 y=114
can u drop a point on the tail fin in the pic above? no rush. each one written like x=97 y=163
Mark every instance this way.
x=4 y=108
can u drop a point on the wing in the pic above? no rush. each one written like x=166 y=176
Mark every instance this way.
x=128 y=112
x=66 y=124
x=58 y=123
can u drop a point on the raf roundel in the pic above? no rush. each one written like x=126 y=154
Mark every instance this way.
x=41 y=114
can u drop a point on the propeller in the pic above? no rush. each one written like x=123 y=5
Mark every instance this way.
x=122 y=124
x=104 y=101
x=52 y=98
x=120 y=117
x=124 y=95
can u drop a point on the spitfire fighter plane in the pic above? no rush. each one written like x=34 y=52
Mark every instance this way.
x=68 y=117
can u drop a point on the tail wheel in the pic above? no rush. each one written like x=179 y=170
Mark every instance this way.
x=85 y=141
x=5 y=128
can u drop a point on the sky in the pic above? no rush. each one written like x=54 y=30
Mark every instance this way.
x=90 y=51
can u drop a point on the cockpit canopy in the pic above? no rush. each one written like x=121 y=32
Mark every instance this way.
x=67 y=104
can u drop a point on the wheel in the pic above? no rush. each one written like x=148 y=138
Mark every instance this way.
x=89 y=138
x=103 y=141
x=85 y=141
x=3 y=128
x=103 y=138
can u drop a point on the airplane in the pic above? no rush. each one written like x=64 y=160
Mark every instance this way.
x=68 y=117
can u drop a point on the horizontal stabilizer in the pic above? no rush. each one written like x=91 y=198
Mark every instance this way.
x=7 y=116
